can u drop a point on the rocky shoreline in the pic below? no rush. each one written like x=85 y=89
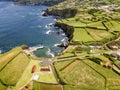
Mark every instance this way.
x=61 y=13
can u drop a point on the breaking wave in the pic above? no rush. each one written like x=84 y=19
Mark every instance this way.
x=0 y=51
x=49 y=53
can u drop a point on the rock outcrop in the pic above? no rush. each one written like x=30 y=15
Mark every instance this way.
x=64 y=13
x=66 y=28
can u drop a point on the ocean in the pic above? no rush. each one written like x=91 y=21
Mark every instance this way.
x=25 y=25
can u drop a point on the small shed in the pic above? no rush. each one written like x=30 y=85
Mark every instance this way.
x=45 y=69
x=35 y=77
x=34 y=68
x=107 y=64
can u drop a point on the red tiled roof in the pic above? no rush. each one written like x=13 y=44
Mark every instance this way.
x=34 y=68
x=44 y=69
x=107 y=63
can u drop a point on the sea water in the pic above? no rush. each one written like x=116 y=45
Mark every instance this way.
x=22 y=24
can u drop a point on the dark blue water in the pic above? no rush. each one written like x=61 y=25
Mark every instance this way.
x=21 y=24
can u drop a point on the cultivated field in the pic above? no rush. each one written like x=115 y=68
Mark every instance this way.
x=13 y=70
x=80 y=35
x=8 y=57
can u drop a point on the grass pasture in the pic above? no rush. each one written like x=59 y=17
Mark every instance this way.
x=80 y=35
x=112 y=25
x=112 y=78
x=116 y=25
x=73 y=23
x=44 y=86
x=65 y=55
x=47 y=77
x=63 y=64
x=7 y=57
x=103 y=58
x=2 y=87
x=69 y=67
x=71 y=87
x=97 y=25
x=83 y=75
x=27 y=75
x=13 y=71
x=99 y=34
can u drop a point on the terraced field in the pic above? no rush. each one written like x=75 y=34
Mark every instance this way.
x=99 y=34
x=81 y=75
x=80 y=35
x=112 y=78
x=8 y=57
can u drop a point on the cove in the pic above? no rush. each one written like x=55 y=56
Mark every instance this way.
x=20 y=24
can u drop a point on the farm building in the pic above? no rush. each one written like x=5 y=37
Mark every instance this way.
x=45 y=69
x=107 y=64
x=35 y=77
x=34 y=69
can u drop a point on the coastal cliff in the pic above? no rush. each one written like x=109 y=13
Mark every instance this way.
x=63 y=13
x=66 y=28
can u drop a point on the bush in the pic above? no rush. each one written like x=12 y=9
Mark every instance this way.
x=24 y=47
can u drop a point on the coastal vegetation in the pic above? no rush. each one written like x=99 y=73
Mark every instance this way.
x=90 y=62
x=92 y=27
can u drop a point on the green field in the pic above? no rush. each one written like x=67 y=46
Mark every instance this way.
x=80 y=35
x=83 y=75
x=44 y=86
x=112 y=78
x=63 y=64
x=26 y=75
x=80 y=75
x=97 y=25
x=87 y=75
x=7 y=57
x=99 y=34
x=112 y=25
x=69 y=68
x=13 y=71
x=66 y=55
x=73 y=23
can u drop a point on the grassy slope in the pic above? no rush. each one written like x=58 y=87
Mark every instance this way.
x=81 y=35
x=27 y=75
x=42 y=86
x=99 y=34
x=13 y=71
x=111 y=77
x=7 y=57
x=83 y=75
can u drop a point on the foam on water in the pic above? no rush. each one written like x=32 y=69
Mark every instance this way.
x=39 y=26
x=49 y=32
x=57 y=44
x=0 y=51
x=50 y=53
x=21 y=24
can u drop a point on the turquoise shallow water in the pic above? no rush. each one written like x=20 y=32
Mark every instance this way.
x=21 y=24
